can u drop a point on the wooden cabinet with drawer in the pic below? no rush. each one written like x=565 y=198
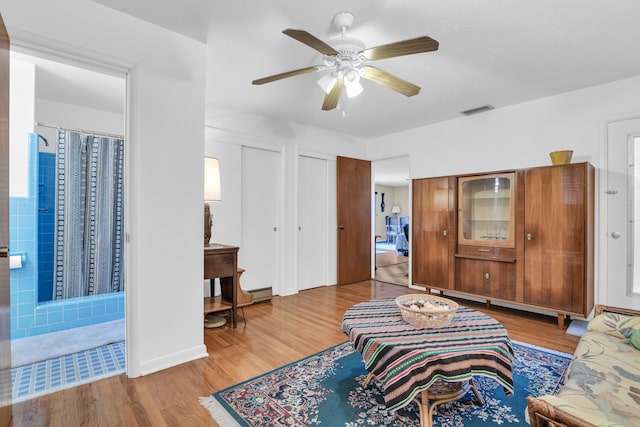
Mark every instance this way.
x=523 y=237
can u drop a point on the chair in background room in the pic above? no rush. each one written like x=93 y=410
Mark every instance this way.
x=404 y=220
x=392 y=228
x=402 y=241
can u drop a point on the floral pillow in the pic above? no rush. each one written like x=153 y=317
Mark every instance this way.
x=618 y=325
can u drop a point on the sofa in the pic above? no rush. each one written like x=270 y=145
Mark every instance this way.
x=602 y=385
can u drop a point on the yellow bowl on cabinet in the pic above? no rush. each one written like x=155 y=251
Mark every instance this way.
x=562 y=157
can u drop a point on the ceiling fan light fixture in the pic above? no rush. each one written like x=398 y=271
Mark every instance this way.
x=352 y=83
x=347 y=60
x=327 y=82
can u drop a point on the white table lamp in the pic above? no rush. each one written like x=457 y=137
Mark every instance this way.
x=212 y=193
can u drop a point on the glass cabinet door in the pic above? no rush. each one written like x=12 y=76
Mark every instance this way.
x=486 y=209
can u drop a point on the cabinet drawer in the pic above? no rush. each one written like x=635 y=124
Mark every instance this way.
x=219 y=265
x=486 y=252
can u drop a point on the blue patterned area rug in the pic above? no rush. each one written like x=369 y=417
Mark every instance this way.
x=326 y=390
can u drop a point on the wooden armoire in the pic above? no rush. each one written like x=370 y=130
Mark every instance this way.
x=522 y=237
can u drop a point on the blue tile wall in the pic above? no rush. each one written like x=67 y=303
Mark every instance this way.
x=28 y=316
x=46 y=203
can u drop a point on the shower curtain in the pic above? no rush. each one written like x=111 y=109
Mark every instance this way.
x=88 y=251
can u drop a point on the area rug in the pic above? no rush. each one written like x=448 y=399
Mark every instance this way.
x=326 y=390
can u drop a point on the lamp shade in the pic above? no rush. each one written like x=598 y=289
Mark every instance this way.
x=352 y=84
x=395 y=209
x=212 y=191
x=327 y=82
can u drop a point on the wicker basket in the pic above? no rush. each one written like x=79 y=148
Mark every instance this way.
x=426 y=311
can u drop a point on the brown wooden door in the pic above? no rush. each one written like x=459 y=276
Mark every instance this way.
x=499 y=280
x=5 y=331
x=354 y=219
x=470 y=276
x=431 y=233
x=555 y=225
x=489 y=279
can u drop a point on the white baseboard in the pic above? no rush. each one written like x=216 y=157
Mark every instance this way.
x=170 y=360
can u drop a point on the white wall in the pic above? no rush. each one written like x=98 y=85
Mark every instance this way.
x=227 y=133
x=75 y=117
x=164 y=165
x=521 y=136
x=21 y=117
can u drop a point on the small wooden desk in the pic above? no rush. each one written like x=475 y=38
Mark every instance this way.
x=221 y=261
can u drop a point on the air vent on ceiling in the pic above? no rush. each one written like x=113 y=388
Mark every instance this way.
x=478 y=110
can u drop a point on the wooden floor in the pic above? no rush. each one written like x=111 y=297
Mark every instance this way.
x=390 y=258
x=277 y=333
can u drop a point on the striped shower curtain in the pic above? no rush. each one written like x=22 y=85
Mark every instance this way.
x=89 y=215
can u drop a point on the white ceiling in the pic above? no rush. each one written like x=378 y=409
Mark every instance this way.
x=68 y=84
x=498 y=52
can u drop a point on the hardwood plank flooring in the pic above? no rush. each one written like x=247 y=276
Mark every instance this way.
x=389 y=258
x=276 y=333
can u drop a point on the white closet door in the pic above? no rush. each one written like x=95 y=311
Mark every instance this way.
x=261 y=195
x=313 y=222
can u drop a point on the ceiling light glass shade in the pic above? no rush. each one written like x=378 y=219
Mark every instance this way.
x=327 y=82
x=352 y=84
x=212 y=190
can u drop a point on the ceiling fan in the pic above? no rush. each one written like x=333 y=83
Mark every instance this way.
x=349 y=60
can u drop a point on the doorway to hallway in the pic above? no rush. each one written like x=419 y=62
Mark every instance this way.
x=391 y=266
x=392 y=220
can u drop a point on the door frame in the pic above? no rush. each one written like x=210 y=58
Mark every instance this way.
x=6 y=400
x=601 y=226
x=409 y=213
x=85 y=59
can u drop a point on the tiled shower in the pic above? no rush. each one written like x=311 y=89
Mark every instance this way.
x=31 y=227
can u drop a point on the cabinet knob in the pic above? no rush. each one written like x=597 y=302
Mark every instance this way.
x=444 y=233
x=615 y=235
x=486 y=276
x=529 y=236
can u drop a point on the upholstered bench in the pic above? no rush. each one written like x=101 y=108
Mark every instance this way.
x=602 y=386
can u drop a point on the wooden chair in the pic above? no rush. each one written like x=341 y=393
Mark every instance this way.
x=243 y=298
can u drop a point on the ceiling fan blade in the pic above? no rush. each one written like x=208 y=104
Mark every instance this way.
x=331 y=99
x=406 y=47
x=311 y=41
x=390 y=81
x=292 y=73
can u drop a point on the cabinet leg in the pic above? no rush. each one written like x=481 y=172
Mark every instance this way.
x=488 y=304
x=563 y=320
